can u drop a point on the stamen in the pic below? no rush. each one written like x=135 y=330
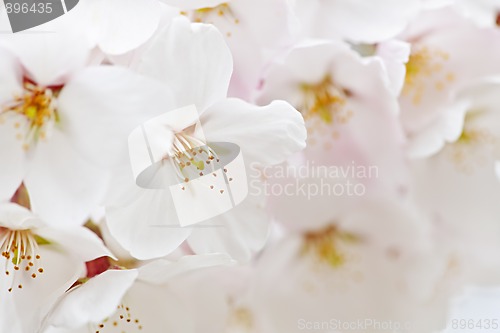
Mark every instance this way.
x=426 y=69
x=122 y=319
x=210 y=14
x=240 y=318
x=191 y=157
x=324 y=245
x=38 y=106
x=20 y=249
x=325 y=103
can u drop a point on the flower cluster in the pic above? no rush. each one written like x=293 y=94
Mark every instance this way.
x=257 y=166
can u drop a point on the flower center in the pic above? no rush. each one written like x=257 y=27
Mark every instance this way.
x=192 y=159
x=325 y=245
x=325 y=103
x=211 y=14
x=20 y=250
x=240 y=319
x=192 y=156
x=426 y=66
x=38 y=107
x=122 y=321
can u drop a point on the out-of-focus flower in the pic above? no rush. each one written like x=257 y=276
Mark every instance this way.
x=448 y=185
x=40 y=264
x=343 y=98
x=438 y=67
x=376 y=261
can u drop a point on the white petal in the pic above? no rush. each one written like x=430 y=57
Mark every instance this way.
x=266 y=135
x=241 y=232
x=120 y=26
x=159 y=309
x=80 y=242
x=193 y=60
x=93 y=301
x=13 y=166
x=10 y=83
x=100 y=106
x=16 y=217
x=38 y=294
x=49 y=58
x=59 y=175
x=160 y=271
x=147 y=227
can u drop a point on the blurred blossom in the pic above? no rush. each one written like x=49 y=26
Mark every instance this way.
x=249 y=166
x=439 y=65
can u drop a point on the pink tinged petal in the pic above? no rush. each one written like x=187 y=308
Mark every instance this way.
x=192 y=59
x=285 y=77
x=446 y=128
x=255 y=31
x=266 y=135
x=93 y=301
x=59 y=175
x=444 y=43
x=120 y=26
x=395 y=55
x=101 y=106
x=148 y=227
